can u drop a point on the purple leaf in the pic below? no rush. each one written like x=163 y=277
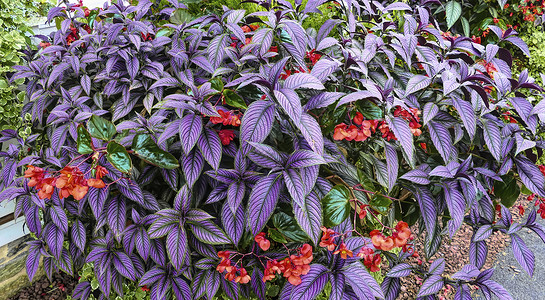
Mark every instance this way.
x=304 y=158
x=123 y=264
x=190 y=131
x=290 y=102
x=530 y=175
x=302 y=80
x=209 y=233
x=417 y=83
x=258 y=286
x=467 y=114
x=441 y=139
x=482 y=233
x=117 y=215
x=437 y=267
x=401 y=129
x=337 y=281
x=233 y=223
x=311 y=131
x=295 y=185
x=431 y=286
x=492 y=138
x=58 y=216
x=263 y=201
x=400 y=270
x=177 y=248
x=33 y=261
x=256 y=124
x=519 y=43
x=477 y=253
x=497 y=289
x=78 y=234
x=309 y=216
x=456 y=205
x=392 y=164
x=210 y=145
x=322 y=100
x=391 y=288
x=363 y=284
x=192 y=166
x=181 y=288
x=524 y=256
x=82 y=290
x=235 y=195
x=265 y=156
x=312 y=283
x=324 y=67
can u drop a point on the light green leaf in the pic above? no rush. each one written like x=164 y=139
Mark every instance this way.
x=101 y=128
x=453 y=12
x=336 y=205
x=85 y=142
x=118 y=156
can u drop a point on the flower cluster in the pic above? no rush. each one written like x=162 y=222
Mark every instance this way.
x=399 y=237
x=359 y=131
x=231 y=275
x=371 y=260
x=262 y=241
x=328 y=239
x=343 y=251
x=70 y=182
x=291 y=267
x=313 y=56
x=227 y=118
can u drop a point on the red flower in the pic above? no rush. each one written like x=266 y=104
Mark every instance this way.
x=370 y=259
x=100 y=172
x=45 y=44
x=328 y=239
x=145 y=288
x=72 y=182
x=343 y=251
x=226 y=136
x=380 y=241
x=96 y=183
x=243 y=277
x=476 y=39
x=363 y=211
x=495 y=20
x=46 y=188
x=358 y=118
x=292 y=267
x=273 y=49
x=35 y=174
x=313 y=56
x=264 y=244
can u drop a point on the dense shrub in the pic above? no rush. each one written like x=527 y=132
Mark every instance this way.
x=244 y=156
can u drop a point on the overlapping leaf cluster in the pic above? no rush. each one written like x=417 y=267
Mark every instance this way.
x=177 y=90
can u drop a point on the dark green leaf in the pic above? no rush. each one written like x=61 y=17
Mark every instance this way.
x=288 y=227
x=380 y=204
x=336 y=205
x=118 y=156
x=101 y=128
x=145 y=148
x=234 y=100
x=508 y=190
x=276 y=236
x=85 y=142
x=370 y=110
x=217 y=84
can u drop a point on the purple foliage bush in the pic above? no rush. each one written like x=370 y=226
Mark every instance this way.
x=216 y=139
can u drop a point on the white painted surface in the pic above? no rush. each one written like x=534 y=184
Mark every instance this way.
x=13 y=230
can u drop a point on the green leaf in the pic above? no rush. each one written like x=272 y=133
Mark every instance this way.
x=370 y=110
x=465 y=26
x=525 y=190
x=288 y=227
x=453 y=11
x=85 y=142
x=181 y=16
x=380 y=204
x=508 y=190
x=118 y=156
x=217 y=84
x=336 y=205
x=145 y=148
x=234 y=100
x=101 y=128
x=276 y=236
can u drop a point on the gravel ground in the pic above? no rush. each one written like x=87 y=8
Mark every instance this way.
x=43 y=289
x=456 y=254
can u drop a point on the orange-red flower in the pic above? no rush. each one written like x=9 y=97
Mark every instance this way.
x=343 y=251
x=35 y=174
x=264 y=244
x=328 y=239
x=370 y=259
x=226 y=136
x=96 y=183
x=358 y=118
x=226 y=118
x=46 y=188
x=71 y=182
x=313 y=56
x=100 y=172
x=243 y=277
x=381 y=242
x=292 y=267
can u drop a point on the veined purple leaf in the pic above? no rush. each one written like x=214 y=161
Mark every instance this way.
x=417 y=83
x=322 y=100
x=456 y=205
x=258 y=286
x=467 y=114
x=54 y=239
x=519 y=43
x=337 y=281
x=309 y=216
x=359 y=95
x=82 y=290
x=216 y=50
x=430 y=111
x=295 y=185
x=176 y=245
x=304 y=158
x=311 y=131
x=33 y=261
x=391 y=288
x=210 y=145
x=427 y=207
x=263 y=201
x=302 y=80
x=477 y=253
x=492 y=138
x=524 y=256
x=58 y=216
x=192 y=166
x=235 y=195
x=402 y=131
x=233 y=223
x=124 y=265
x=482 y=233
x=392 y=164
x=324 y=67
x=290 y=102
x=209 y=233
x=78 y=234
x=437 y=267
x=363 y=284
x=441 y=140
x=117 y=215
x=265 y=156
x=256 y=124
x=468 y=271
x=416 y=176
x=181 y=288
x=497 y=289
x=431 y=286
x=312 y=283
x=190 y=131
x=400 y=270
x=530 y=175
